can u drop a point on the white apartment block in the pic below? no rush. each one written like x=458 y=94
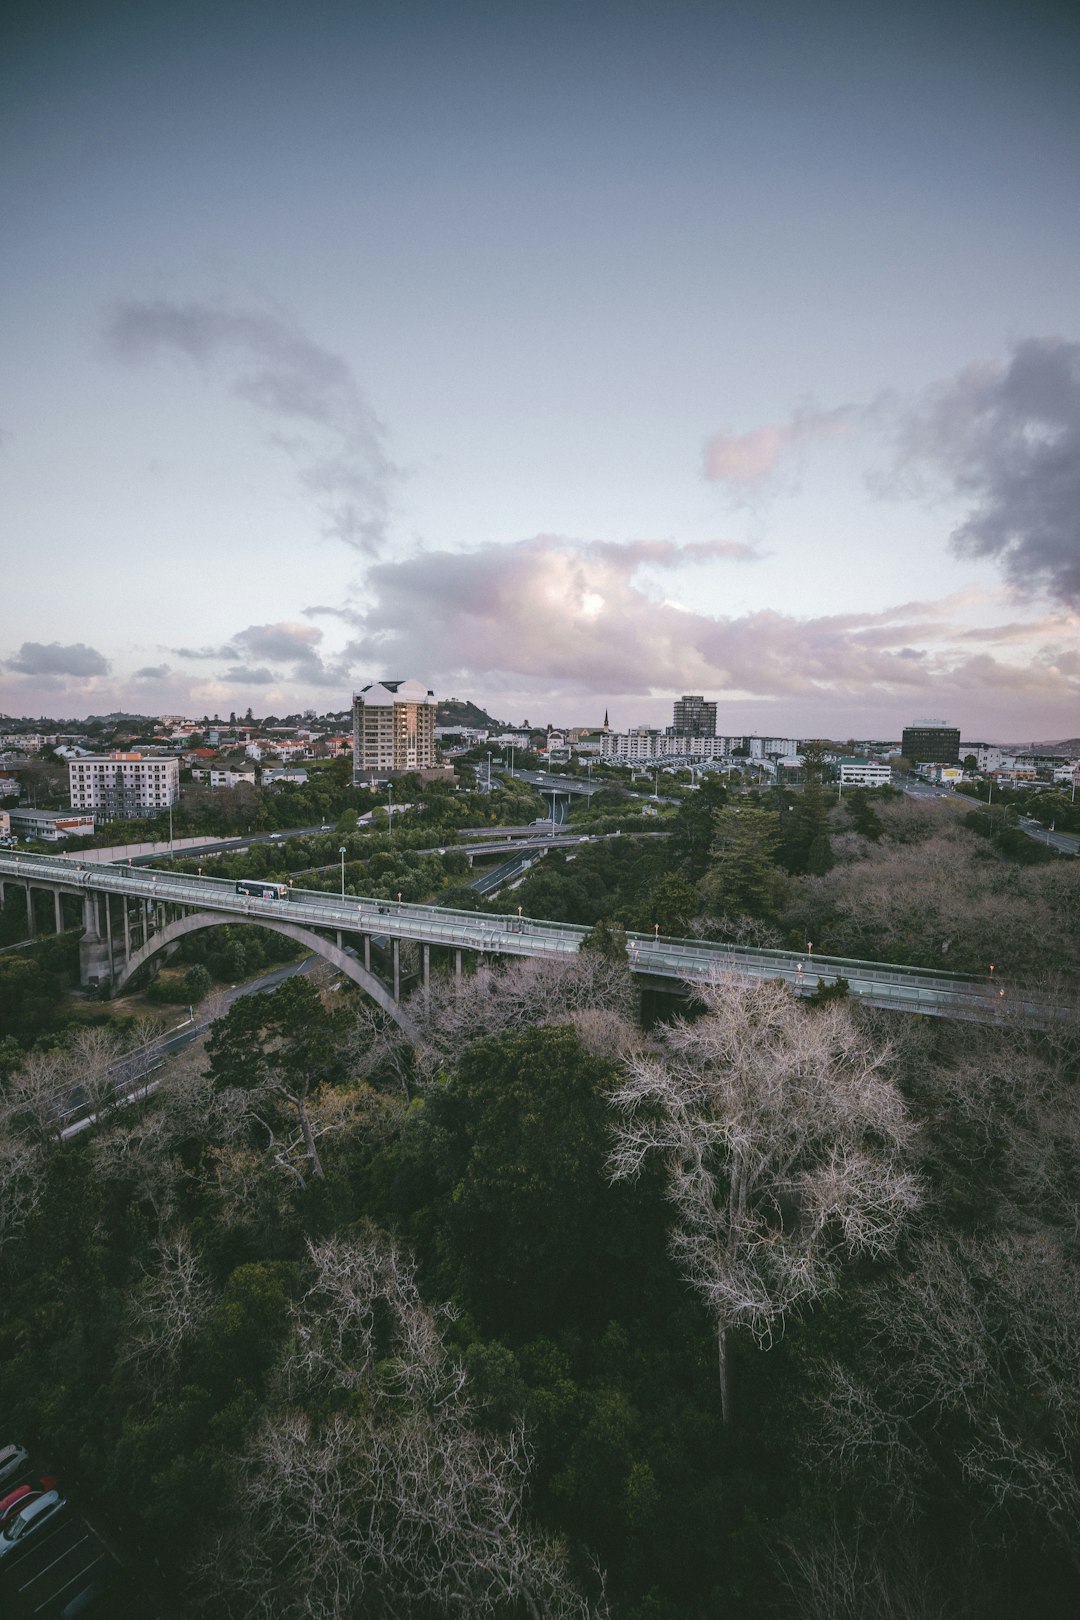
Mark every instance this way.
x=393 y=729
x=121 y=787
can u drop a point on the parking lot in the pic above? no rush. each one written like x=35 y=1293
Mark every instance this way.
x=64 y=1561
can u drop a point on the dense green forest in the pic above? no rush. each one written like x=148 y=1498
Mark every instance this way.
x=751 y=1306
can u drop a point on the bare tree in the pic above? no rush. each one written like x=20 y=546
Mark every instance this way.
x=782 y=1142
x=21 y=1181
x=36 y=1101
x=534 y=990
x=395 y=1502
x=166 y=1310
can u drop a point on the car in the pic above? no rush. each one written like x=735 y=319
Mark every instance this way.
x=91 y=1599
x=13 y=1459
x=20 y=1497
x=39 y=1512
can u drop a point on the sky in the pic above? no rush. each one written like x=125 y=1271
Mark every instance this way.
x=565 y=357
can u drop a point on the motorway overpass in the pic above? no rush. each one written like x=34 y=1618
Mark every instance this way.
x=130 y=914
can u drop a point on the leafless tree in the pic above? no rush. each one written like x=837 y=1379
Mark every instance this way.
x=21 y=1181
x=782 y=1141
x=36 y=1100
x=166 y=1311
x=977 y=1340
x=853 y=1571
x=397 y=1503
x=377 y=1045
x=533 y=990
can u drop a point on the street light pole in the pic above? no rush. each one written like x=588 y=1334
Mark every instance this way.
x=390 y=810
x=489 y=772
x=553 y=813
x=341 y=852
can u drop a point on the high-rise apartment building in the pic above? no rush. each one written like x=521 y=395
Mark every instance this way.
x=694 y=717
x=123 y=787
x=393 y=729
x=931 y=742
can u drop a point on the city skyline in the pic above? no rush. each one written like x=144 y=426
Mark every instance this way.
x=563 y=359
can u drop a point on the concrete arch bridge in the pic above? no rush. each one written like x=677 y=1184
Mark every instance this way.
x=130 y=914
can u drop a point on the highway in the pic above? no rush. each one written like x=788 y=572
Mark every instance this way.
x=908 y=989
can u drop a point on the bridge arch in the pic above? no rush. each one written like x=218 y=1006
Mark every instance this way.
x=340 y=958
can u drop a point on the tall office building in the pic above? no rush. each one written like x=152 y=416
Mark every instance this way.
x=694 y=718
x=931 y=742
x=123 y=787
x=393 y=729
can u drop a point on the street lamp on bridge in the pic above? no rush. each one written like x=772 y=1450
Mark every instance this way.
x=341 y=852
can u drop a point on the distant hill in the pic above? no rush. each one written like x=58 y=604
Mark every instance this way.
x=460 y=712
x=1070 y=747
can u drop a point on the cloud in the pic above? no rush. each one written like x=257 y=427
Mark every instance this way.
x=746 y=462
x=340 y=456
x=39 y=658
x=566 y=619
x=250 y=677
x=153 y=672
x=1005 y=439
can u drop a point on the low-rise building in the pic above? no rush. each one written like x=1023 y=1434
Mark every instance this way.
x=231 y=779
x=281 y=774
x=50 y=826
x=853 y=772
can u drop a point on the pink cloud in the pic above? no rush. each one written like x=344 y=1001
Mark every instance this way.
x=747 y=460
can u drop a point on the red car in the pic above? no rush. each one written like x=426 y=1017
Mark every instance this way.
x=22 y=1496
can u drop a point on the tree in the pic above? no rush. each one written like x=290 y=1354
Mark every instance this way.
x=781 y=1141
x=520 y=1140
x=743 y=878
x=673 y=903
x=693 y=827
x=533 y=990
x=278 y=1045
x=166 y=1311
x=197 y=982
x=371 y=1488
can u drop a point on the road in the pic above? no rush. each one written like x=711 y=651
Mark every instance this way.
x=134 y=1080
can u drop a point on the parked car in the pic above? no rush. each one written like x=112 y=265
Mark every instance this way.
x=34 y=1517
x=13 y=1459
x=20 y=1497
x=93 y=1596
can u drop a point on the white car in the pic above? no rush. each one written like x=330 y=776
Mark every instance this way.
x=13 y=1459
x=40 y=1512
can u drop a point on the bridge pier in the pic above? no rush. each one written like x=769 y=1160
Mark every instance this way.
x=94 y=965
x=457 y=965
x=367 y=953
x=397 y=969
x=58 y=911
x=31 y=932
x=426 y=958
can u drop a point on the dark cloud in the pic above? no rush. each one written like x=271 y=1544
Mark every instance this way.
x=341 y=458
x=250 y=677
x=1005 y=439
x=153 y=672
x=39 y=658
x=294 y=648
